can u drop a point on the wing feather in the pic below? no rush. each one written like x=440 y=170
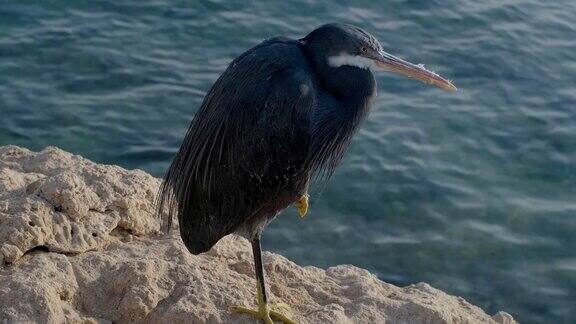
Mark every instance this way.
x=249 y=138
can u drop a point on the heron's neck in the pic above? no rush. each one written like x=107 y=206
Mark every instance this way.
x=354 y=88
x=355 y=109
x=335 y=121
x=350 y=84
x=343 y=105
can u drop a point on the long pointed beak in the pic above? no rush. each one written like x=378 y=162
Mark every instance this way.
x=388 y=62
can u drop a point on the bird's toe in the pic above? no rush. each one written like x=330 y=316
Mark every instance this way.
x=268 y=313
x=281 y=312
x=302 y=205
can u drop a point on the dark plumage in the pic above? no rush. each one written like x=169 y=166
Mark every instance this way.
x=280 y=113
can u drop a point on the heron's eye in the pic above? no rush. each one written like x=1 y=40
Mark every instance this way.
x=364 y=49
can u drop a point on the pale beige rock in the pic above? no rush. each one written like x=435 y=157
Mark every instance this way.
x=79 y=244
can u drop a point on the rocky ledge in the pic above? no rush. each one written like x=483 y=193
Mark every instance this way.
x=79 y=242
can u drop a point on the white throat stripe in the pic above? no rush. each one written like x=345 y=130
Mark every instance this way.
x=352 y=60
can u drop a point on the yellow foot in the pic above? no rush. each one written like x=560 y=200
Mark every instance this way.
x=267 y=313
x=302 y=204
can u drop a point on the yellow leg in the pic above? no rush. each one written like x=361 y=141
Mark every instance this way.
x=265 y=312
x=302 y=205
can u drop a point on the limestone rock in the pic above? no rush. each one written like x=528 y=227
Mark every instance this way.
x=79 y=243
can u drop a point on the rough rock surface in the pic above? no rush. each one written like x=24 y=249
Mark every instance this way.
x=79 y=242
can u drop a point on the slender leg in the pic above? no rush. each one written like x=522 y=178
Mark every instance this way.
x=264 y=312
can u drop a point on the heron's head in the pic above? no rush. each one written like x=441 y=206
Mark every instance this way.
x=341 y=45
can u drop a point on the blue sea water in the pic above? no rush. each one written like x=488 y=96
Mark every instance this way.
x=473 y=192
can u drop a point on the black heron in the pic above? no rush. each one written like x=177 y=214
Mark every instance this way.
x=282 y=113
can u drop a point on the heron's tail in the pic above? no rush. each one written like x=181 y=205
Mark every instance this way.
x=166 y=199
x=164 y=202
